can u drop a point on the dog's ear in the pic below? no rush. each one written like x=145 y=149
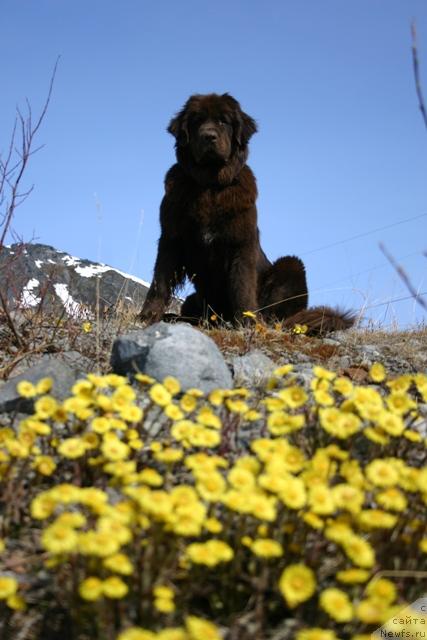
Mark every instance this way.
x=178 y=127
x=246 y=127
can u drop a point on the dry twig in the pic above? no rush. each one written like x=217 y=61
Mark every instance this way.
x=416 y=67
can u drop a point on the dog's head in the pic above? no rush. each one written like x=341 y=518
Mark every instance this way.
x=212 y=133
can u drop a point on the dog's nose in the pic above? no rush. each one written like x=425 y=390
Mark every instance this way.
x=210 y=136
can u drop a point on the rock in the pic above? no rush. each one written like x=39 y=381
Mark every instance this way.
x=370 y=351
x=177 y=350
x=252 y=369
x=63 y=375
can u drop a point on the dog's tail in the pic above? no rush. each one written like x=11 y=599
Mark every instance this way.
x=321 y=320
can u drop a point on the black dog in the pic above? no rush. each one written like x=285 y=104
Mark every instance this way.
x=209 y=230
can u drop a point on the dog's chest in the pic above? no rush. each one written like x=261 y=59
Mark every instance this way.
x=211 y=219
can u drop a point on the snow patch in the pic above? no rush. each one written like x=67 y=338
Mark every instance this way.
x=73 y=308
x=92 y=270
x=97 y=269
x=71 y=261
x=28 y=298
x=38 y=263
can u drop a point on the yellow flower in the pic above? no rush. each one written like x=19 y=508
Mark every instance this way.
x=263 y=507
x=173 y=412
x=293 y=397
x=377 y=519
x=211 y=486
x=315 y=633
x=119 y=563
x=16 y=602
x=188 y=403
x=114 y=588
x=87 y=327
x=160 y=395
x=348 y=497
x=325 y=374
x=371 y=611
x=202 y=437
x=98 y=544
x=208 y=419
x=163 y=591
x=391 y=423
x=392 y=499
x=72 y=448
x=249 y=314
x=280 y=423
x=45 y=407
x=237 y=406
x=242 y=479
x=137 y=633
x=400 y=384
x=266 y=548
x=321 y=500
x=209 y=553
x=377 y=372
x=344 y=386
x=172 y=385
x=200 y=629
x=44 y=385
x=45 y=465
x=216 y=397
x=150 y=477
x=297 y=584
x=382 y=473
x=282 y=371
x=212 y=525
x=164 y=605
x=400 y=403
x=172 y=633
x=382 y=589
x=169 y=455
x=337 y=604
x=26 y=389
x=359 y=551
x=114 y=449
x=323 y=398
x=412 y=436
x=300 y=328
x=131 y=413
x=144 y=378
x=313 y=520
x=65 y=493
x=58 y=538
x=294 y=495
x=90 y=589
x=353 y=576
x=8 y=587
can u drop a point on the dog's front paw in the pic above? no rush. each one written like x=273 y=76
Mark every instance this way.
x=151 y=312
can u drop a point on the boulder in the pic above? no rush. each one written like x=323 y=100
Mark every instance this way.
x=177 y=350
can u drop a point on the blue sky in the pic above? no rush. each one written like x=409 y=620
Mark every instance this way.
x=341 y=148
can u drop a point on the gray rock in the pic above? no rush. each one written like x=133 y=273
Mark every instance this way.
x=63 y=375
x=370 y=350
x=172 y=349
x=253 y=369
x=331 y=341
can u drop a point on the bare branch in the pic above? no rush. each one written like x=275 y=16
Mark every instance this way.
x=404 y=277
x=416 y=67
x=11 y=169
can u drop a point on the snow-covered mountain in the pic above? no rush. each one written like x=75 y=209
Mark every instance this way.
x=36 y=274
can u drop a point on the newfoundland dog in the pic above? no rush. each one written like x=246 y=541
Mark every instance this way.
x=209 y=231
